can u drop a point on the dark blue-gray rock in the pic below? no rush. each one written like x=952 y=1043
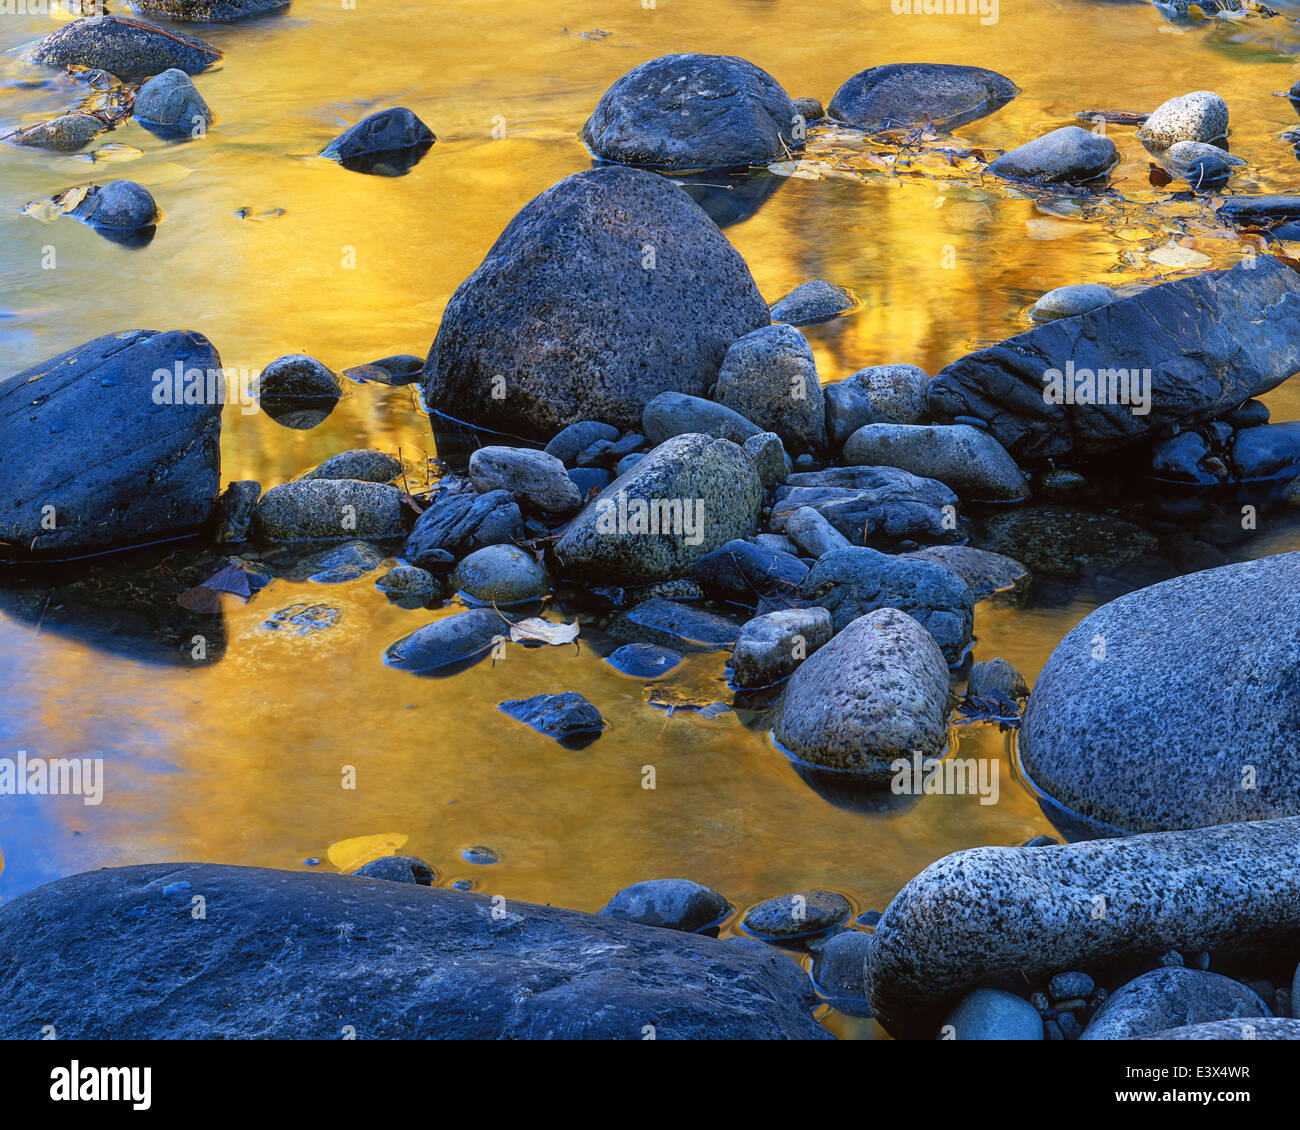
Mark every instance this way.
x=1199 y=116
x=744 y=573
x=912 y=94
x=530 y=476
x=810 y=109
x=800 y=914
x=1070 y=986
x=119 y=204
x=898 y=394
x=854 y=581
x=1268 y=452
x=771 y=646
x=986 y=573
x=770 y=377
x=590 y=481
x=170 y=103
x=64 y=134
x=564 y=717
x=127 y=48
x=234 y=512
x=967 y=459
x=839 y=967
x=567 y=444
x=1069 y=155
x=1268 y=212
x=461 y=638
x=813 y=302
x=458 y=522
x=1249 y=414
x=97 y=450
x=693 y=112
x=296 y=376
x=362 y=464
x=205 y=11
x=398 y=869
x=386 y=143
x=996 y=689
x=876 y=693
x=783 y=964
x=1071 y=301
x=885 y=506
x=1251 y=1028
x=1229 y=889
x=397 y=370
x=992 y=1014
x=1182 y=155
x=284 y=955
x=329 y=510
x=604 y=291
x=1203 y=338
x=408 y=580
x=1208 y=174
x=1056 y=541
x=848 y=408
x=769 y=458
x=643 y=660
x=671 y=624
x=501 y=575
x=1171 y=998
x=812 y=533
x=688 y=496
x=675 y=413
x=671 y=904
x=343 y=563
x=1187 y=458
x=1188 y=713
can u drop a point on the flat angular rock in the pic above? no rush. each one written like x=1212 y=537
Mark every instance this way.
x=98 y=436
x=459 y=522
x=693 y=111
x=461 y=638
x=910 y=94
x=771 y=646
x=1210 y=341
x=386 y=143
x=292 y=955
x=671 y=624
x=1190 y=713
x=745 y=573
x=565 y=717
x=967 y=459
x=607 y=289
x=1230 y=890
x=127 y=48
x=1171 y=998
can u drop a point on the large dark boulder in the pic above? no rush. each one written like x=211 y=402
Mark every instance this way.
x=910 y=94
x=130 y=49
x=694 y=112
x=1210 y=341
x=205 y=11
x=97 y=451
x=127 y=953
x=607 y=289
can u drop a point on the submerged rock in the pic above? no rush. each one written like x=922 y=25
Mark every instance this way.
x=769 y=376
x=1071 y=301
x=771 y=646
x=1070 y=154
x=206 y=11
x=876 y=693
x=693 y=112
x=329 y=509
x=64 y=134
x=568 y=717
x=1199 y=116
x=97 y=451
x=387 y=143
x=171 y=104
x=671 y=904
x=127 y=48
x=1171 y=998
x=605 y=290
x=643 y=660
x=687 y=497
x=344 y=563
x=120 y=204
x=912 y=94
x=673 y=625
x=1203 y=339
x=407 y=580
x=397 y=869
x=967 y=459
x=1055 y=541
x=840 y=965
x=799 y=914
x=1229 y=890
x=452 y=642
x=397 y=370
x=1176 y=706
x=812 y=302
x=501 y=575
x=299 y=955
x=984 y=571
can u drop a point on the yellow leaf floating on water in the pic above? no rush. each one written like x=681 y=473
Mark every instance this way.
x=537 y=630
x=348 y=855
x=1174 y=255
x=1053 y=229
x=116 y=151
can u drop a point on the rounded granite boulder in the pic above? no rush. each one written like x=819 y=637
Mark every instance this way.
x=911 y=94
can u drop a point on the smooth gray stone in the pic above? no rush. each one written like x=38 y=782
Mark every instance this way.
x=813 y=533
x=675 y=413
x=876 y=693
x=172 y=100
x=568 y=443
x=999 y=686
x=129 y=49
x=674 y=625
x=970 y=461
x=854 y=581
x=898 y=394
x=86 y=431
x=848 y=408
x=1230 y=890
x=458 y=522
x=397 y=869
x=361 y=464
x=991 y=1014
x=1199 y=116
x=769 y=376
x=295 y=376
x=205 y=11
x=1202 y=337
x=771 y=646
x=610 y=287
x=1171 y=998
x=530 y=476
x=1071 y=301
x=119 y=204
x=1271 y=451
x=839 y=967
x=796 y=915
x=911 y=94
x=293 y=955
x=704 y=491
x=1249 y=1028
x=501 y=575
x=462 y=637
x=329 y=509
x=1070 y=154
x=812 y=302
x=671 y=904
x=691 y=111
x=64 y=134
x=1192 y=714
x=985 y=572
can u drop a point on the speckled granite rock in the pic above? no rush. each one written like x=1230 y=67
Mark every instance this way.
x=797 y=915
x=876 y=692
x=329 y=509
x=911 y=94
x=1250 y=1028
x=812 y=302
x=1057 y=541
x=840 y=965
x=967 y=459
x=128 y=48
x=1171 y=998
x=1192 y=717
x=1068 y=155
x=1071 y=301
x=363 y=464
x=986 y=572
x=769 y=376
x=854 y=581
x=770 y=646
x=1199 y=116
x=993 y=915
x=898 y=394
x=206 y=11
x=64 y=134
x=671 y=904
x=675 y=413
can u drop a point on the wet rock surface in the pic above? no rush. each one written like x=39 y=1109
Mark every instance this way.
x=1068 y=155
x=1171 y=998
x=911 y=94
x=672 y=904
x=567 y=717
x=386 y=143
x=127 y=48
x=329 y=510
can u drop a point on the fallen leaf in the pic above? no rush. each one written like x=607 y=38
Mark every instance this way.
x=537 y=630
x=348 y=855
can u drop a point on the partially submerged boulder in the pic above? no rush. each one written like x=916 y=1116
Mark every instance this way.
x=127 y=48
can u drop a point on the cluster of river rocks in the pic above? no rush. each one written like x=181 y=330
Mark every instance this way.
x=647 y=435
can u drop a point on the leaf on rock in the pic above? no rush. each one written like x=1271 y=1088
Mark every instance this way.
x=349 y=854
x=1158 y=177
x=234 y=577
x=537 y=630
